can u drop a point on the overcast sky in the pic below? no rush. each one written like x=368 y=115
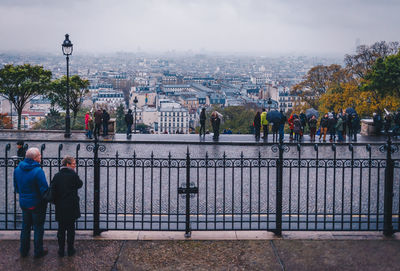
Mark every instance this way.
x=312 y=27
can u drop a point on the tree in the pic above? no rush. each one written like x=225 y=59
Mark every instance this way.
x=239 y=119
x=55 y=121
x=120 y=120
x=78 y=89
x=361 y=63
x=384 y=77
x=20 y=84
x=317 y=82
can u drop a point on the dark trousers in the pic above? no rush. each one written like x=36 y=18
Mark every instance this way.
x=216 y=132
x=281 y=132
x=354 y=132
x=313 y=130
x=36 y=219
x=202 y=129
x=69 y=227
x=275 y=131
x=128 y=129
x=105 y=128
x=340 y=135
x=257 y=130
x=265 y=128
x=97 y=130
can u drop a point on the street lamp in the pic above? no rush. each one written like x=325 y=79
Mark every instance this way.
x=135 y=101
x=67 y=51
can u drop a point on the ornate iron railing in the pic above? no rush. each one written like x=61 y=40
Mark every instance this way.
x=289 y=187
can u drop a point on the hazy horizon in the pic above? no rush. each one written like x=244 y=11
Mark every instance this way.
x=226 y=27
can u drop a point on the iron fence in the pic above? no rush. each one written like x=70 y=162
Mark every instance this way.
x=290 y=187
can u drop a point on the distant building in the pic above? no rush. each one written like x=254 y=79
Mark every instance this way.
x=111 y=98
x=190 y=101
x=216 y=99
x=144 y=96
x=287 y=100
x=172 y=89
x=173 y=119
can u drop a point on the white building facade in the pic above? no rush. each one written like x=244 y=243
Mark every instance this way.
x=173 y=119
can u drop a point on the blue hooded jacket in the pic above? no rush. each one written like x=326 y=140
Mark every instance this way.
x=30 y=183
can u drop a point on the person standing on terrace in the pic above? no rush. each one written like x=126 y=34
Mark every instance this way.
x=30 y=183
x=65 y=185
x=203 y=122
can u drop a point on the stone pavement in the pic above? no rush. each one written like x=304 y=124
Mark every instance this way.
x=249 y=251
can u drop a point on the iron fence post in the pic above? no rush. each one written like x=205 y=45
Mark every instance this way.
x=279 y=179
x=187 y=224
x=96 y=188
x=388 y=195
x=78 y=147
x=8 y=147
x=60 y=147
x=42 y=148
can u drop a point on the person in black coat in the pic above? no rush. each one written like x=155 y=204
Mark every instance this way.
x=203 y=122
x=105 y=118
x=65 y=185
x=215 y=123
x=129 y=122
x=257 y=125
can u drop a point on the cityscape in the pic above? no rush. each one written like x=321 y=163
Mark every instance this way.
x=199 y=135
x=176 y=83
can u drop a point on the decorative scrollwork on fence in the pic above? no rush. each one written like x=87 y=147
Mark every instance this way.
x=394 y=148
x=91 y=147
x=286 y=163
x=275 y=148
x=10 y=162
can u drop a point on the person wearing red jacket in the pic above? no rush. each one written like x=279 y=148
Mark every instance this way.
x=87 y=117
x=291 y=126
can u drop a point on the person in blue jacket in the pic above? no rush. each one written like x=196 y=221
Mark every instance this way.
x=30 y=183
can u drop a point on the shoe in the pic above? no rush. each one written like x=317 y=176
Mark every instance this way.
x=44 y=253
x=24 y=255
x=61 y=253
x=71 y=252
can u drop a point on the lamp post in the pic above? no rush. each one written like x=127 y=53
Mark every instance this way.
x=67 y=51
x=135 y=101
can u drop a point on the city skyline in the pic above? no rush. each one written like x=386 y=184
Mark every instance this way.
x=228 y=27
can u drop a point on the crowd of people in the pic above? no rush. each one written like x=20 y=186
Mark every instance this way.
x=335 y=127
x=94 y=123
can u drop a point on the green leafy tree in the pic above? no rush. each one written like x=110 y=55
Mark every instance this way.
x=20 y=84
x=78 y=89
x=239 y=119
x=56 y=121
x=120 y=119
x=384 y=77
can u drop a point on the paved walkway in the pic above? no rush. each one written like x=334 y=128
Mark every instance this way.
x=167 y=138
x=249 y=251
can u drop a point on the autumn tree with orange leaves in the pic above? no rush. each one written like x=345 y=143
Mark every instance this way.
x=369 y=82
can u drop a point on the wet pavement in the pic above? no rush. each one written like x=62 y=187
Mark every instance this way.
x=273 y=254
x=168 y=138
